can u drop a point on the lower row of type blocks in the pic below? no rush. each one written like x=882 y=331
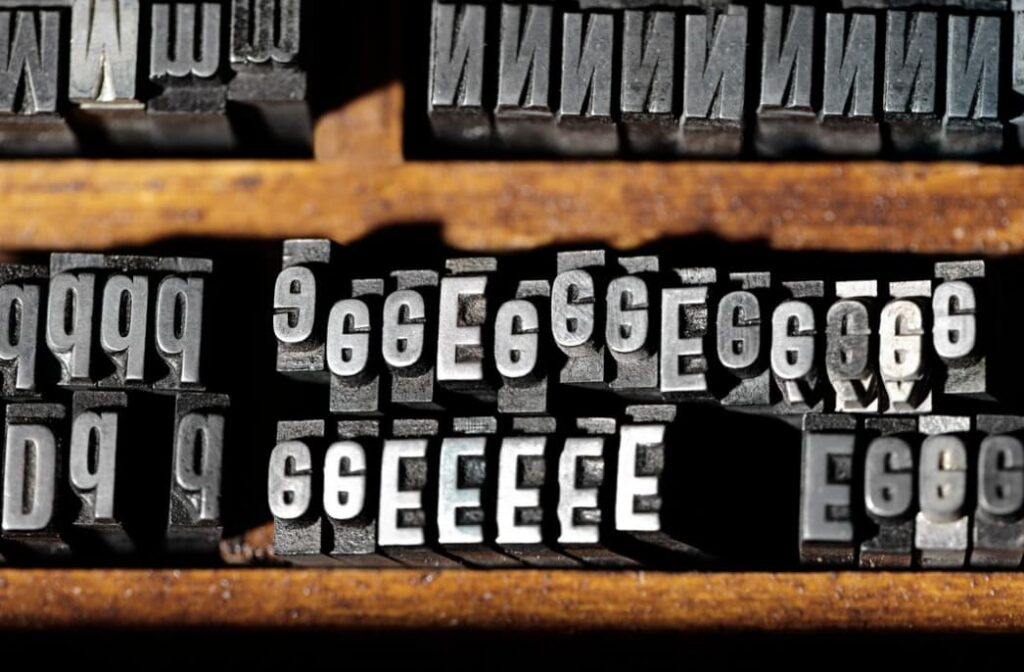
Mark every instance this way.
x=112 y=474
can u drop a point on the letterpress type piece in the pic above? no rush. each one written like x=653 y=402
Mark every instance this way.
x=739 y=333
x=456 y=105
x=268 y=91
x=827 y=534
x=941 y=532
x=69 y=323
x=575 y=317
x=35 y=453
x=584 y=492
x=30 y=56
x=523 y=512
x=848 y=110
x=301 y=298
x=462 y=315
x=998 y=530
x=21 y=295
x=353 y=341
x=189 y=114
x=902 y=357
x=850 y=348
x=524 y=117
x=519 y=352
x=351 y=477
x=407 y=519
x=98 y=432
x=1017 y=77
x=956 y=335
x=889 y=491
x=796 y=343
x=714 y=83
x=408 y=350
x=179 y=325
x=647 y=96
x=466 y=491
x=972 y=125
x=632 y=343
x=981 y=5
x=585 y=124
x=194 y=518
x=685 y=335
x=910 y=106
x=292 y=488
x=786 y=119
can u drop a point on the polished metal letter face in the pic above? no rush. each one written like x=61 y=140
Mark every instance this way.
x=523 y=117
x=179 y=330
x=579 y=513
x=795 y=348
x=403 y=477
x=848 y=116
x=684 y=335
x=909 y=100
x=517 y=349
x=649 y=82
x=585 y=122
x=739 y=339
x=457 y=76
x=104 y=52
x=848 y=355
x=637 y=493
x=901 y=353
x=292 y=488
x=956 y=336
x=972 y=124
x=574 y=317
x=462 y=315
x=714 y=83
x=998 y=529
x=941 y=535
x=631 y=342
x=521 y=474
x=194 y=523
x=123 y=327
x=406 y=337
x=69 y=318
x=889 y=492
x=826 y=521
x=459 y=505
x=352 y=330
x=300 y=301
x=351 y=477
x=19 y=330
x=786 y=119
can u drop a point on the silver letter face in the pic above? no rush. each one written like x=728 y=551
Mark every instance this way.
x=20 y=304
x=998 y=529
x=517 y=349
x=351 y=477
x=685 y=333
x=941 y=534
x=956 y=310
x=407 y=346
x=649 y=81
x=786 y=119
x=300 y=309
x=179 y=330
x=795 y=348
x=826 y=500
x=193 y=522
x=523 y=117
x=909 y=101
x=632 y=343
x=123 y=327
x=353 y=341
x=850 y=348
x=292 y=488
x=889 y=492
x=69 y=318
x=104 y=52
x=739 y=336
x=901 y=352
x=462 y=315
x=574 y=317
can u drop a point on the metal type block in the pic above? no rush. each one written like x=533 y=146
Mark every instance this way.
x=585 y=123
x=301 y=300
x=409 y=353
x=827 y=534
x=69 y=325
x=787 y=122
x=848 y=110
x=850 y=360
x=941 y=535
x=575 y=316
x=353 y=347
x=739 y=334
x=910 y=106
x=796 y=340
x=524 y=507
x=267 y=93
x=524 y=116
x=1017 y=77
x=520 y=354
x=194 y=519
x=903 y=362
x=31 y=53
x=889 y=492
x=584 y=492
x=189 y=112
x=98 y=432
x=35 y=454
x=21 y=296
x=351 y=477
x=292 y=490
x=971 y=5
x=998 y=530
x=714 y=83
x=647 y=97
x=957 y=301
x=631 y=342
x=456 y=97
x=407 y=519
x=466 y=487
x=686 y=335
x=641 y=4
x=463 y=314
x=972 y=125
